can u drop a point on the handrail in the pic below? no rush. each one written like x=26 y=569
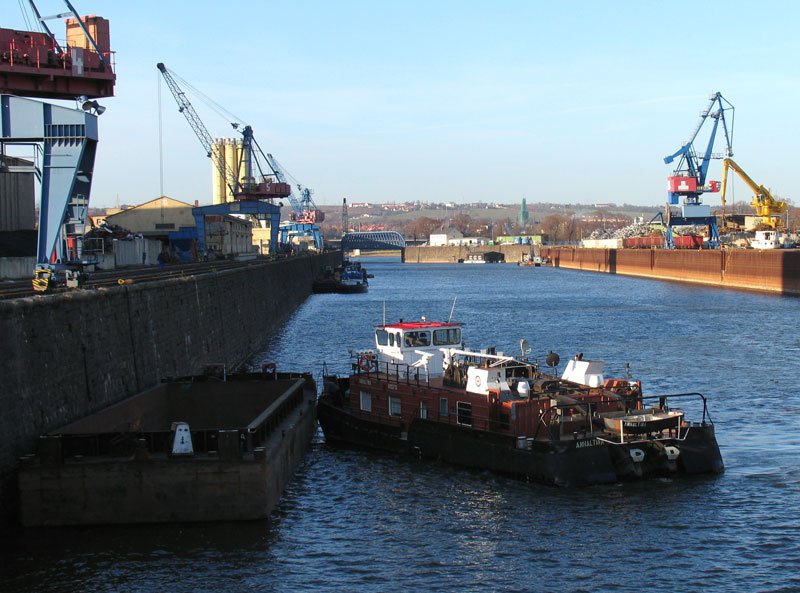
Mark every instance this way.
x=546 y=415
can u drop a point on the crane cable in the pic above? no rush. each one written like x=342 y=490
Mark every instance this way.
x=213 y=105
x=25 y=16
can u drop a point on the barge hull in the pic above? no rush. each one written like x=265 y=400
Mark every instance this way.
x=234 y=482
x=582 y=462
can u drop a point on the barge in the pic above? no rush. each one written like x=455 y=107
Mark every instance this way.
x=419 y=391
x=210 y=447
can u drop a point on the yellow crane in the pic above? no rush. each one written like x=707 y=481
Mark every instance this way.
x=766 y=206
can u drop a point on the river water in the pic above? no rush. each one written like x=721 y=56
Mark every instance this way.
x=361 y=521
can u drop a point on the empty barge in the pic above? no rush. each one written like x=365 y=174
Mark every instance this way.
x=203 y=448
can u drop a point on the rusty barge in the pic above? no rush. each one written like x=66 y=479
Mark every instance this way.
x=210 y=447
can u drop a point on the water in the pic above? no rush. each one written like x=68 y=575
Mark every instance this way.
x=361 y=521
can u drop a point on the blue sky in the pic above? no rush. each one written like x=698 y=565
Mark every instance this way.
x=449 y=101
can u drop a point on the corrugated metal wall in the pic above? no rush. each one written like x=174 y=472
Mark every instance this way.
x=17 y=199
x=776 y=270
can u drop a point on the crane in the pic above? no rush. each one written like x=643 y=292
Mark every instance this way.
x=244 y=187
x=765 y=205
x=303 y=208
x=689 y=177
x=63 y=140
x=305 y=215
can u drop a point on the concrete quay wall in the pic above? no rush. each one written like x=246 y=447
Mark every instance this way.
x=67 y=355
x=426 y=254
x=768 y=270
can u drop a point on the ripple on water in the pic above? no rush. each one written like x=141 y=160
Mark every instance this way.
x=359 y=521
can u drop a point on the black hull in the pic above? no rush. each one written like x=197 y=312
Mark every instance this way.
x=565 y=463
x=327 y=287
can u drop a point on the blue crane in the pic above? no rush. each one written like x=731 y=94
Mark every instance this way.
x=688 y=180
x=305 y=215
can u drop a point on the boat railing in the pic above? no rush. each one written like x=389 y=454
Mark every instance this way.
x=663 y=403
x=554 y=418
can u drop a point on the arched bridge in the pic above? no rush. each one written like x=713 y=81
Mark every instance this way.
x=373 y=241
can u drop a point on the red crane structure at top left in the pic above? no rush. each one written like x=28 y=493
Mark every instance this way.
x=36 y=64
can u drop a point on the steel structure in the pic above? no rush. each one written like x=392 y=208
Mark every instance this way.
x=63 y=140
x=66 y=142
x=251 y=198
x=35 y=64
x=304 y=218
x=688 y=181
x=373 y=241
x=766 y=206
x=244 y=187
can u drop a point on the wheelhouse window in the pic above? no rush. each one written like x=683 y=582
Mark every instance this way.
x=443 y=406
x=447 y=337
x=382 y=337
x=464 y=413
x=394 y=406
x=391 y=339
x=418 y=338
x=366 y=401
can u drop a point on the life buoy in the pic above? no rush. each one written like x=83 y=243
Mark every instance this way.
x=365 y=362
x=477 y=381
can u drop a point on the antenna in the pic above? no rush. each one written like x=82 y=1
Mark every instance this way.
x=384 y=312
x=452 y=309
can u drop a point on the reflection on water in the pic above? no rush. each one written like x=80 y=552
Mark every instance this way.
x=363 y=521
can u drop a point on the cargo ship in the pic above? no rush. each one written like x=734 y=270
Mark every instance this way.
x=419 y=391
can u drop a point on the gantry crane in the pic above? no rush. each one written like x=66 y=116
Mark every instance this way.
x=765 y=205
x=63 y=140
x=689 y=178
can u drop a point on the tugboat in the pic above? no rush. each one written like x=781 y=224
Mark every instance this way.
x=419 y=391
x=348 y=278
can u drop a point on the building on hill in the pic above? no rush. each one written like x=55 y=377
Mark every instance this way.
x=445 y=237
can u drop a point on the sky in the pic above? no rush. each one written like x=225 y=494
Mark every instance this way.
x=437 y=101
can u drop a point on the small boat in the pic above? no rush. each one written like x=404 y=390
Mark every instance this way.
x=348 y=278
x=487 y=257
x=533 y=260
x=419 y=391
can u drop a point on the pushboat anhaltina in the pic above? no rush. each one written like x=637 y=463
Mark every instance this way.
x=419 y=391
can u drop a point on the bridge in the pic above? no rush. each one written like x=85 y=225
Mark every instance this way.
x=373 y=241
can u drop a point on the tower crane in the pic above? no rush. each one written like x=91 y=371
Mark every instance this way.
x=689 y=177
x=765 y=205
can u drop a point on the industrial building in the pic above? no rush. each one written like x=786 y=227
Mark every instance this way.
x=156 y=218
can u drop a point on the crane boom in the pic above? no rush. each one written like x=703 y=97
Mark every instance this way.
x=304 y=210
x=765 y=205
x=245 y=187
x=689 y=178
x=198 y=127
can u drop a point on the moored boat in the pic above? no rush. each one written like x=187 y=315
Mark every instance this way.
x=419 y=391
x=350 y=277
